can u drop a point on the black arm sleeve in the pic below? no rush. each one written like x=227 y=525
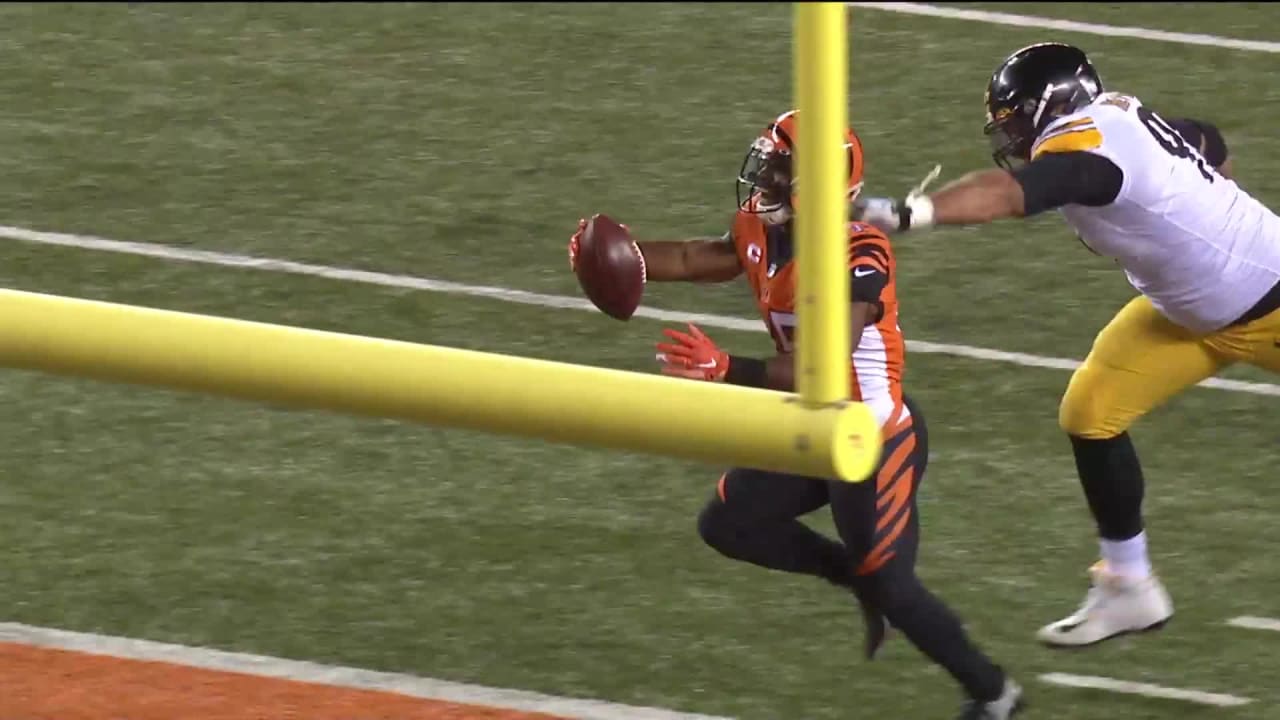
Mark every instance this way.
x=869 y=273
x=1071 y=178
x=866 y=284
x=747 y=372
x=1203 y=135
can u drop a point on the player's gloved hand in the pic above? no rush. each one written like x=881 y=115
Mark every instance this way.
x=693 y=355
x=890 y=215
x=575 y=242
x=885 y=213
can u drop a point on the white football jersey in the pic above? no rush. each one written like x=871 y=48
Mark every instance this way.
x=1199 y=247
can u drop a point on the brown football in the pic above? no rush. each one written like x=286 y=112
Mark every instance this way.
x=610 y=267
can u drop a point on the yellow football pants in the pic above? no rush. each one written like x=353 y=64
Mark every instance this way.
x=1141 y=359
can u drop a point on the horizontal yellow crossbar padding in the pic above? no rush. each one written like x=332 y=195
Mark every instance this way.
x=441 y=386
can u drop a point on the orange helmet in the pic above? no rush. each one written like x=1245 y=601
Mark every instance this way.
x=766 y=170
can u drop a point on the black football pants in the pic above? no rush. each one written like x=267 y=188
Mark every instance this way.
x=754 y=517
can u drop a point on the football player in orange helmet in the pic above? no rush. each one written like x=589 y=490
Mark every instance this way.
x=753 y=515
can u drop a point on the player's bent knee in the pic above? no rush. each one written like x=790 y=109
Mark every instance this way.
x=1087 y=409
x=889 y=586
x=716 y=525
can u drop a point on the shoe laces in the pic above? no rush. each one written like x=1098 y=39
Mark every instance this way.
x=1102 y=586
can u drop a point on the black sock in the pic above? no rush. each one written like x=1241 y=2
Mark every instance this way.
x=1113 y=484
x=936 y=631
x=786 y=545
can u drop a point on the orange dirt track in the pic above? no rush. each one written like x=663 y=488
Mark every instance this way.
x=44 y=684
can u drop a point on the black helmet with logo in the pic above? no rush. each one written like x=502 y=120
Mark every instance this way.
x=1030 y=89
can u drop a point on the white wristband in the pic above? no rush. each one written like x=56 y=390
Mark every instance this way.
x=921 y=211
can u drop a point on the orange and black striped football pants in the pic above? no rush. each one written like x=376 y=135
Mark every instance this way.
x=750 y=517
x=754 y=517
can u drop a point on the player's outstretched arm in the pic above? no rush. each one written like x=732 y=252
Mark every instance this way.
x=1052 y=180
x=982 y=196
x=697 y=260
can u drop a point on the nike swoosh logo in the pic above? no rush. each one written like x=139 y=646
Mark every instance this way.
x=708 y=365
x=857 y=272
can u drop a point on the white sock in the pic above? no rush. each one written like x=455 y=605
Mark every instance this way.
x=1127 y=557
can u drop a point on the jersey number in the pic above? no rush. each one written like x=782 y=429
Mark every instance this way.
x=782 y=325
x=783 y=328
x=1172 y=141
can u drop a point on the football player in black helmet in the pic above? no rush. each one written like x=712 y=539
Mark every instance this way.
x=1031 y=89
x=1157 y=196
x=1028 y=92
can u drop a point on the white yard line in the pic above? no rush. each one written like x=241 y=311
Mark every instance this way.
x=271 y=667
x=1044 y=23
x=1135 y=688
x=206 y=257
x=432 y=689
x=1255 y=623
x=570 y=707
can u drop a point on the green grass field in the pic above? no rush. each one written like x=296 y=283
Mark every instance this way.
x=462 y=142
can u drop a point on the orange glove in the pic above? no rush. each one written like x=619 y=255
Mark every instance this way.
x=694 y=356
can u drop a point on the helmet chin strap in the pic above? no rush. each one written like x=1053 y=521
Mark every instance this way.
x=778 y=216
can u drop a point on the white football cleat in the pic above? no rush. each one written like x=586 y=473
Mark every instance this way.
x=1002 y=708
x=1116 y=605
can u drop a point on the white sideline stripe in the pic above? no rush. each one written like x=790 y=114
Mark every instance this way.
x=1044 y=23
x=1255 y=623
x=1143 y=689
x=207 y=257
x=264 y=666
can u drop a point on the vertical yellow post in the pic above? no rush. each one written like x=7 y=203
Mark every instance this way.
x=821 y=60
